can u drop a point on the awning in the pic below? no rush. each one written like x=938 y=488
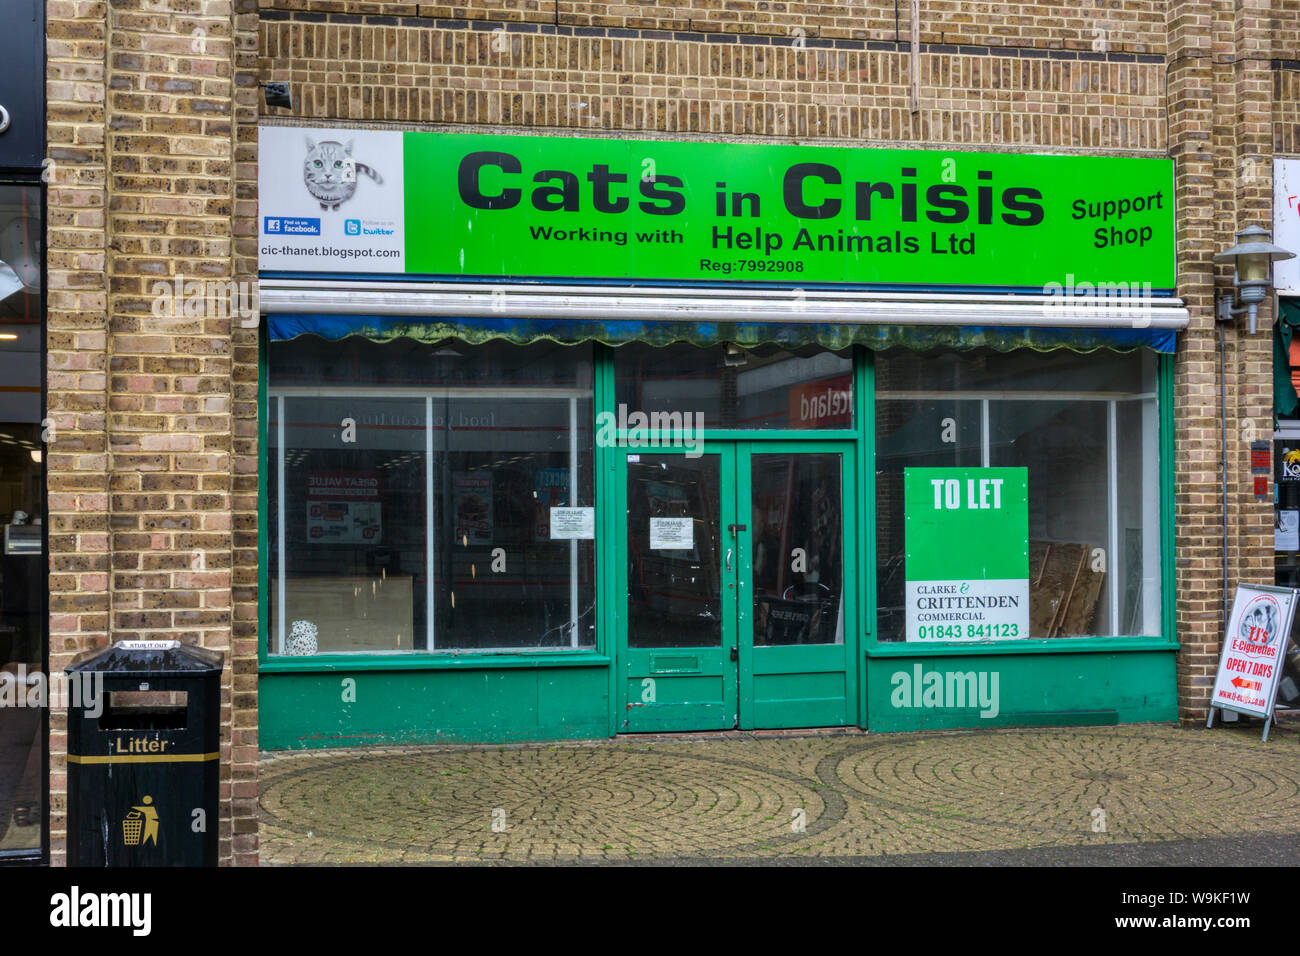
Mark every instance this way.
x=833 y=319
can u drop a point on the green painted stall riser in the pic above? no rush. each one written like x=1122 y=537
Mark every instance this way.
x=1020 y=691
x=303 y=711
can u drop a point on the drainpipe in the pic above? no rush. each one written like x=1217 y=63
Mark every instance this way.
x=1223 y=437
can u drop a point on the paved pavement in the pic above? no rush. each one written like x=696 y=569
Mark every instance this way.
x=1154 y=794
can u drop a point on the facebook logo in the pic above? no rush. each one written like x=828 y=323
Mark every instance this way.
x=352 y=227
x=292 y=225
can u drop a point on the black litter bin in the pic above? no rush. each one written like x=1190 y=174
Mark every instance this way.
x=143 y=744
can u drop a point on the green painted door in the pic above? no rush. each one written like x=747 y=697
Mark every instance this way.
x=799 y=625
x=738 y=569
x=678 y=637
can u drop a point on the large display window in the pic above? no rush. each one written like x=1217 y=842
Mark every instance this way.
x=23 y=555
x=412 y=491
x=1086 y=428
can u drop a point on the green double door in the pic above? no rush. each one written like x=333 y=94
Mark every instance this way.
x=738 y=566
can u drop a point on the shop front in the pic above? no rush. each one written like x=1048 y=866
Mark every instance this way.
x=567 y=438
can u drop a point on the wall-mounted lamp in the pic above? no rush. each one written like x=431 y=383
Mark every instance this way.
x=277 y=94
x=1252 y=272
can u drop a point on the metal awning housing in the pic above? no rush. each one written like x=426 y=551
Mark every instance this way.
x=684 y=304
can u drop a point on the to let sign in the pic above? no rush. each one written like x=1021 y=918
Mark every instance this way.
x=967 y=539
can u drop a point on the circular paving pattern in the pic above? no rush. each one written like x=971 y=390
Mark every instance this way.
x=1052 y=785
x=747 y=796
x=541 y=802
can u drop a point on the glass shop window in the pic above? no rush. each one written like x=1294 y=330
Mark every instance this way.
x=411 y=497
x=24 y=560
x=1086 y=426
x=732 y=387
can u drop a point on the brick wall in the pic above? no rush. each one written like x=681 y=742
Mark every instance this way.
x=1135 y=26
x=1286 y=109
x=77 y=359
x=153 y=463
x=458 y=72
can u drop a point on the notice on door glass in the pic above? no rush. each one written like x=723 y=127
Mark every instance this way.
x=572 y=524
x=672 y=534
x=1286 y=531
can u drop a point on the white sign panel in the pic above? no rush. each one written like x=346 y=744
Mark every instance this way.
x=573 y=523
x=345 y=522
x=1286 y=223
x=330 y=200
x=672 y=534
x=994 y=609
x=472 y=496
x=1253 y=648
x=1286 y=531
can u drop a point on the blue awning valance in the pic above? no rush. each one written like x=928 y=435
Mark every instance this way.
x=746 y=334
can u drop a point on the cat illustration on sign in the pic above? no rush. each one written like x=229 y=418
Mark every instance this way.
x=330 y=173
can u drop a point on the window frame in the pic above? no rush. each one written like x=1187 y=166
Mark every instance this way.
x=273 y=623
x=856 y=431
x=27 y=178
x=1162 y=397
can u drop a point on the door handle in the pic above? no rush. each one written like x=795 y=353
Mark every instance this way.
x=729 y=552
x=735 y=653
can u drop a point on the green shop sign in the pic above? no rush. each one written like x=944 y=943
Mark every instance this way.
x=967 y=540
x=450 y=204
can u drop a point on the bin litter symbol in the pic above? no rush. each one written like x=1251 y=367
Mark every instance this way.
x=131 y=828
